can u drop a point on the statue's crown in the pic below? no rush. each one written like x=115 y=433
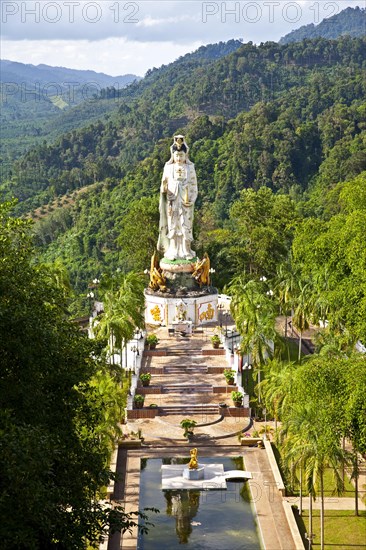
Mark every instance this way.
x=179 y=144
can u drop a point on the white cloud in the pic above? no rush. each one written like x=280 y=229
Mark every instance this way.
x=119 y=36
x=153 y=22
x=113 y=56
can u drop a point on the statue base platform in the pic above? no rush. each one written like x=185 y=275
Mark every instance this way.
x=178 y=274
x=199 y=307
x=195 y=474
x=178 y=266
x=173 y=477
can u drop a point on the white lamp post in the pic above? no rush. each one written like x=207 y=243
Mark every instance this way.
x=135 y=351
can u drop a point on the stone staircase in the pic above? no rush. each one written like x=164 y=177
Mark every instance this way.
x=182 y=388
x=185 y=369
x=202 y=409
x=182 y=352
x=186 y=380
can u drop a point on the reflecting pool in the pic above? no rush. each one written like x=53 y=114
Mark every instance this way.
x=215 y=519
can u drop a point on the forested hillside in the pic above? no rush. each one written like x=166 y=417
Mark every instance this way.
x=37 y=101
x=172 y=98
x=285 y=120
x=350 y=21
x=37 y=111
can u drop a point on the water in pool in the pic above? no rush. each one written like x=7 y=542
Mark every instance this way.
x=214 y=519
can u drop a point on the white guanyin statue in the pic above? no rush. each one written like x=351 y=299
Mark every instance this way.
x=178 y=194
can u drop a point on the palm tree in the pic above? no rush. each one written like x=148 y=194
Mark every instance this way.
x=104 y=325
x=111 y=397
x=286 y=283
x=321 y=285
x=129 y=308
x=276 y=387
x=123 y=311
x=303 y=309
x=254 y=314
x=355 y=417
x=310 y=442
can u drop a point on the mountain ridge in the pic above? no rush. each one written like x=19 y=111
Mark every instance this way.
x=350 y=21
x=45 y=73
x=172 y=101
x=287 y=118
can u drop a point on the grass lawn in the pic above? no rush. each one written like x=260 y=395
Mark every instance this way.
x=329 y=484
x=342 y=529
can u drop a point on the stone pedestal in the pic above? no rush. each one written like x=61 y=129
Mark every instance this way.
x=196 y=474
x=201 y=308
x=184 y=299
x=179 y=273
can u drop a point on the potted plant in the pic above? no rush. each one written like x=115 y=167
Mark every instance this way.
x=229 y=375
x=237 y=398
x=152 y=340
x=131 y=440
x=266 y=431
x=215 y=341
x=187 y=424
x=139 y=401
x=145 y=378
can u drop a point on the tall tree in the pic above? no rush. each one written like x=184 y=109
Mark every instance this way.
x=285 y=287
x=139 y=232
x=123 y=304
x=355 y=411
x=303 y=309
x=254 y=313
x=276 y=387
x=310 y=442
x=262 y=227
x=52 y=462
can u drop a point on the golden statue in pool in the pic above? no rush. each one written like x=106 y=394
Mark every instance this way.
x=193 y=463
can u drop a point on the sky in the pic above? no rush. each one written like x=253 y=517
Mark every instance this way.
x=119 y=37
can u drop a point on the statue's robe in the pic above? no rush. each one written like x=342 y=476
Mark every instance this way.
x=179 y=183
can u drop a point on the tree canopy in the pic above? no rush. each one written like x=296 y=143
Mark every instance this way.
x=54 y=448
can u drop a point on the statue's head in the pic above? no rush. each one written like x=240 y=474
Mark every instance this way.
x=179 y=151
x=179 y=156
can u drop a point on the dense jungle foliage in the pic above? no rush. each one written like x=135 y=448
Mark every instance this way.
x=277 y=135
x=272 y=130
x=174 y=97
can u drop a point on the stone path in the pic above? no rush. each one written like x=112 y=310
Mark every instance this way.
x=186 y=378
x=330 y=503
x=266 y=500
x=185 y=381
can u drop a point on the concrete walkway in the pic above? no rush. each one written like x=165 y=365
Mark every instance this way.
x=185 y=380
x=273 y=526
x=330 y=503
